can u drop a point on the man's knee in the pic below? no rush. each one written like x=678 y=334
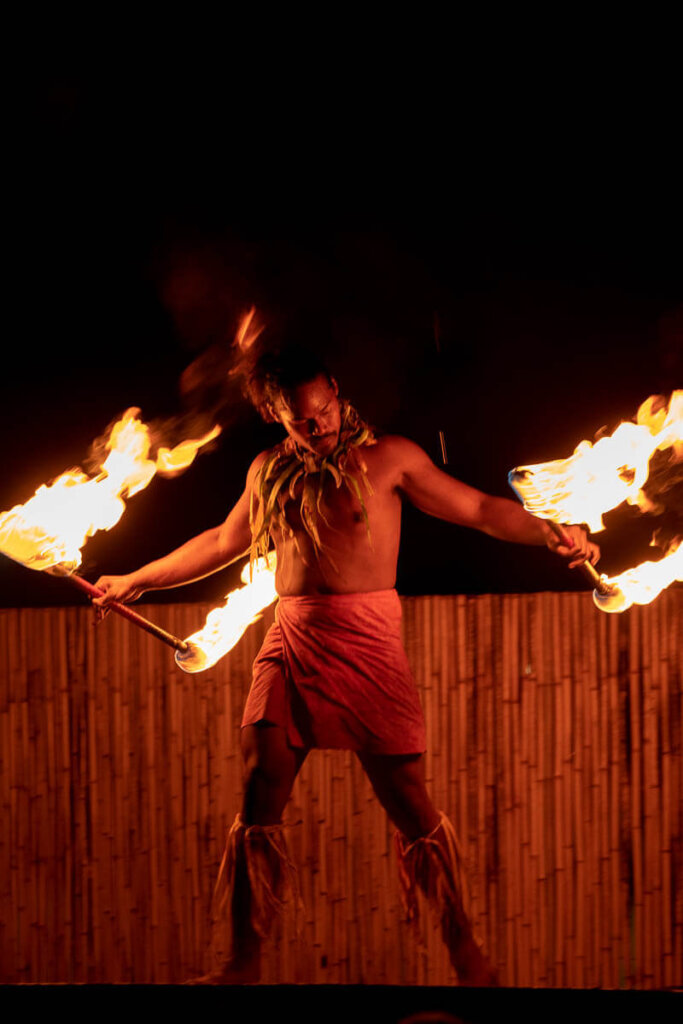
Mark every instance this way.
x=266 y=754
x=269 y=770
x=401 y=776
x=259 y=770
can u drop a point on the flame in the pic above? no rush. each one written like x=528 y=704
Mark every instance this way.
x=248 y=331
x=599 y=477
x=51 y=527
x=225 y=625
x=642 y=584
x=173 y=460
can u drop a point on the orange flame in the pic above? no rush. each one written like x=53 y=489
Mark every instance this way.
x=51 y=528
x=599 y=477
x=642 y=584
x=225 y=625
x=174 y=460
x=248 y=331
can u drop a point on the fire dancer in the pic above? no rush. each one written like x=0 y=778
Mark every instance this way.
x=332 y=672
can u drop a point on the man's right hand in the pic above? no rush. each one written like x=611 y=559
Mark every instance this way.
x=117 y=588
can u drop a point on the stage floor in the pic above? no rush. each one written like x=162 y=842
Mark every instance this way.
x=353 y=1004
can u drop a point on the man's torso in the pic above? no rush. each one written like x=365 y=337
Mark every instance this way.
x=363 y=563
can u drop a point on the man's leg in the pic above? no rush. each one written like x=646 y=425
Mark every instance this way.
x=255 y=872
x=270 y=770
x=429 y=856
x=399 y=782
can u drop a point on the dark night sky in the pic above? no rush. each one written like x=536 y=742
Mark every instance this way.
x=145 y=217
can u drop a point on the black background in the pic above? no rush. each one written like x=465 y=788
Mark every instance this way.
x=537 y=226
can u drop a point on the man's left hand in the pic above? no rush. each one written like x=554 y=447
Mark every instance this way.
x=581 y=550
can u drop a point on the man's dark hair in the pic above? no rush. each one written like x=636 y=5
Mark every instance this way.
x=274 y=374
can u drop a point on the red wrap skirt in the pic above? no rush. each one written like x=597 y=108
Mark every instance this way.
x=333 y=671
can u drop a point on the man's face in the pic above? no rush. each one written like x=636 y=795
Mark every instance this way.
x=311 y=415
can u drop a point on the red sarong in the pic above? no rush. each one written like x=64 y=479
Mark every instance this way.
x=332 y=670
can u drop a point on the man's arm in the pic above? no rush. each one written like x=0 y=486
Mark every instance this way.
x=201 y=556
x=438 y=494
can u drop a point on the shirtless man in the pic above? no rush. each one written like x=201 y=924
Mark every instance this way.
x=332 y=671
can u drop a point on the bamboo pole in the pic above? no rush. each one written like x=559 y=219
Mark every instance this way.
x=651 y=794
x=582 y=686
x=122 y=674
x=91 y=801
x=622 y=637
x=606 y=671
x=524 y=741
x=486 y=757
x=112 y=714
x=463 y=734
x=6 y=778
x=559 y=814
x=151 y=774
x=636 y=688
x=674 y=633
x=534 y=794
x=618 y=631
x=667 y=865
x=521 y=930
x=606 y=955
x=511 y=882
x=544 y=781
x=65 y=804
x=32 y=776
x=569 y=661
x=649 y=805
x=21 y=738
x=589 y=825
x=657 y=789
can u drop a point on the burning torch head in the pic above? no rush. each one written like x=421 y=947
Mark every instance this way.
x=516 y=479
x=640 y=464
x=194 y=659
x=607 y=595
x=612 y=600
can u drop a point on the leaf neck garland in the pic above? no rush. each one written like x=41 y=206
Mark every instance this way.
x=287 y=465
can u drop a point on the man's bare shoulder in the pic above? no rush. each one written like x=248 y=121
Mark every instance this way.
x=258 y=460
x=257 y=465
x=398 y=450
x=395 y=457
x=264 y=456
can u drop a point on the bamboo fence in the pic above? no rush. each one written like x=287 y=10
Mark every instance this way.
x=554 y=744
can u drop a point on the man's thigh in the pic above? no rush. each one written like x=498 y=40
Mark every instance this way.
x=399 y=782
x=265 y=746
x=270 y=769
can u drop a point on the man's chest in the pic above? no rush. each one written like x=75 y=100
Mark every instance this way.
x=343 y=503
